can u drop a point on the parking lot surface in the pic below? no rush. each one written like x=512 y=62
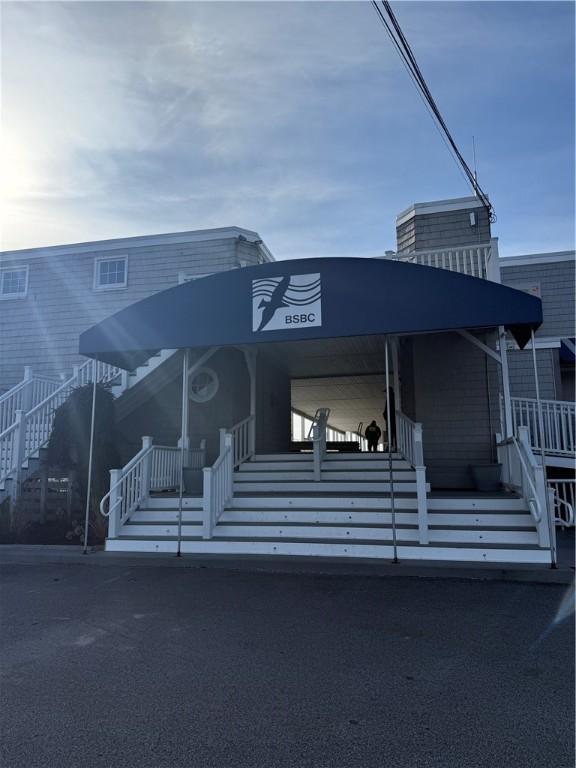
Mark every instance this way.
x=166 y=668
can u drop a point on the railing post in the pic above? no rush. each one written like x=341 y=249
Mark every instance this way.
x=28 y=394
x=222 y=432
x=229 y=446
x=202 y=453
x=317 y=453
x=115 y=507
x=124 y=381
x=18 y=452
x=146 y=469
x=421 y=495
x=493 y=265
x=207 y=503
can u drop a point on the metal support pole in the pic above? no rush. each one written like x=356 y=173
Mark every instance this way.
x=183 y=443
x=389 y=438
x=90 y=457
x=551 y=529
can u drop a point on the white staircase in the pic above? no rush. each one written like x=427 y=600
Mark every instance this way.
x=279 y=509
x=27 y=413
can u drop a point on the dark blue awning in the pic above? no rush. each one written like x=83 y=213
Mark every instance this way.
x=309 y=299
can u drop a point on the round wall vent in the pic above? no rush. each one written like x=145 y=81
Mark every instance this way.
x=203 y=385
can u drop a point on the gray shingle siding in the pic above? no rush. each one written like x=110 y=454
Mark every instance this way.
x=556 y=280
x=42 y=329
x=452 y=388
x=522 y=383
x=442 y=230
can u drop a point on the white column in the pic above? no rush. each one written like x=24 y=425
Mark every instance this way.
x=548 y=510
x=508 y=428
x=115 y=507
x=184 y=441
x=250 y=358
x=147 y=468
x=390 y=467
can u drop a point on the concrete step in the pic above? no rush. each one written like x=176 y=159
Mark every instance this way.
x=359 y=517
x=327 y=533
x=330 y=457
x=402 y=475
x=384 y=551
x=327 y=466
x=326 y=486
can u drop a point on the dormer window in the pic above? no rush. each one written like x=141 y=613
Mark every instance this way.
x=111 y=273
x=14 y=282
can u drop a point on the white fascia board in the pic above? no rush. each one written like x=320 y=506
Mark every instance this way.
x=194 y=236
x=438 y=206
x=536 y=258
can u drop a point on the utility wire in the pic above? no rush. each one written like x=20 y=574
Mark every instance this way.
x=406 y=54
x=408 y=68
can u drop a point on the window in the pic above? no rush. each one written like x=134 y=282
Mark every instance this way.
x=13 y=282
x=110 y=274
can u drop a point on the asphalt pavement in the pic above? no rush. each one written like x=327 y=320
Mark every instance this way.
x=149 y=667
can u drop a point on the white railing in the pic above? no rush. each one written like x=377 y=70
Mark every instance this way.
x=409 y=436
x=24 y=396
x=317 y=433
x=154 y=468
x=129 y=487
x=218 y=487
x=559 y=424
x=34 y=426
x=476 y=260
x=165 y=468
x=523 y=474
x=243 y=440
x=564 y=499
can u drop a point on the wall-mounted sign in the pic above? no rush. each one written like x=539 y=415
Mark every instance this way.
x=284 y=303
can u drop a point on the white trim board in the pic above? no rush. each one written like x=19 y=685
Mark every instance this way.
x=139 y=241
x=528 y=259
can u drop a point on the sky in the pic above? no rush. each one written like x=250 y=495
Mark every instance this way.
x=294 y=119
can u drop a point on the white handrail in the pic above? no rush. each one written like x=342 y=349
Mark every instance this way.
x=521 y=472
x=218 y=487
x=165 y=468
x=409 y=436
x=564 y=490
x=559 y=424
x=128 y=488
x=526 y=477
x=243 y=439
x=23 y=396
x=35 y=426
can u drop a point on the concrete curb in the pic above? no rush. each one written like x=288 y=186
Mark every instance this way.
x=73 y=555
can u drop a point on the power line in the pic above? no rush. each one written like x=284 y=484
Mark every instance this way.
x=406 y=54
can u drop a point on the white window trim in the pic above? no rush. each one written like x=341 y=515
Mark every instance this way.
x=15 y=268
x=117 y=286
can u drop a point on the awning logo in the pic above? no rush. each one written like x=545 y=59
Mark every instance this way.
x=286 y=302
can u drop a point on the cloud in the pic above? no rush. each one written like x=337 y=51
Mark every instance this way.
x=133 y=118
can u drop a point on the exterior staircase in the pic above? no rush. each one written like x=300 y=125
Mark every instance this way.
x=278 y=508
x=27 y=412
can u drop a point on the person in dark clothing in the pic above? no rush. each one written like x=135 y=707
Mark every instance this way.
x=390 y=432
x=372 y=434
